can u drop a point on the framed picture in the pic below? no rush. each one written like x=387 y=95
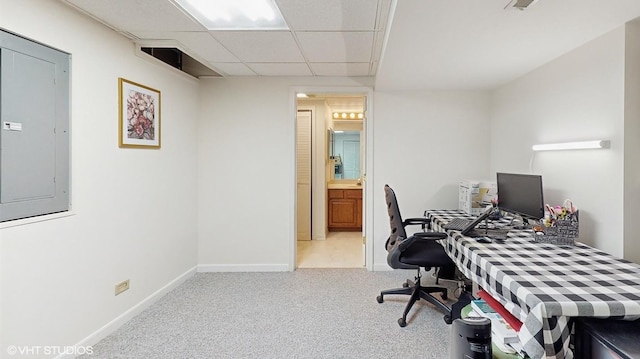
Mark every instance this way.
x=139 y=124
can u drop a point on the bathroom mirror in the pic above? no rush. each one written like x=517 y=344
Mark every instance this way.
x=345 y=151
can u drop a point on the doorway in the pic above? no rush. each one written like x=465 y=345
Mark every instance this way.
x=320 y=166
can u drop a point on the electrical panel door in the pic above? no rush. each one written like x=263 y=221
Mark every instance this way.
x=34 y=145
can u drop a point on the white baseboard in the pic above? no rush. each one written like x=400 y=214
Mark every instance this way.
x=381 y=267
x=113 y=325
x=204 y=268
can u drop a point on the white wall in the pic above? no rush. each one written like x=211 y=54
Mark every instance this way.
x=579 y=96
x=134 y=211
x=246 y=170
x=418 y=136
x=632 y=142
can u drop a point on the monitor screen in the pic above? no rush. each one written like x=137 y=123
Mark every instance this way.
x=521 y=194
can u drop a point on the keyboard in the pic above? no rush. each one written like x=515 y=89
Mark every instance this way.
x=499 y=234
x=457 y=224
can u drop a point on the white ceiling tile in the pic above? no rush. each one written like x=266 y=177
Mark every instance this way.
x=340 y=69
x=233 y=69
x=139 y=15
x=336 y=46
x=280 y=69
x=329 y=15
x=260 y=46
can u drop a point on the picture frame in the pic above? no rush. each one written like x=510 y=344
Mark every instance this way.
x=139 y=115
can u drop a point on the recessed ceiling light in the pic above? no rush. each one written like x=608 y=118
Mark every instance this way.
x=236 y=14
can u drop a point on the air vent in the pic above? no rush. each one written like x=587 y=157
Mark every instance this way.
x=520 y=4
x=175 y=58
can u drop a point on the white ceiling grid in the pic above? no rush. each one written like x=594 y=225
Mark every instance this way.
x=325 y=37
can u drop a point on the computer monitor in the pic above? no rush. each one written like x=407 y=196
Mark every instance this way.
x=521 y=194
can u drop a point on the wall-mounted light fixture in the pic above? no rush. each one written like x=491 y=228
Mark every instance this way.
x=582 y=145
x=348 y=115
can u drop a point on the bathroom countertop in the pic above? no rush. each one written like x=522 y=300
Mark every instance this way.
x=343 y=186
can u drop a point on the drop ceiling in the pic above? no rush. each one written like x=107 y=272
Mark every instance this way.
x=404 y=44
x=325 y=37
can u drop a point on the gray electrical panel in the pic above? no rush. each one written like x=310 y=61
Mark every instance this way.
x=34 y=128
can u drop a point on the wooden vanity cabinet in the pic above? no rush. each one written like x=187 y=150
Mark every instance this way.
x=345 y=209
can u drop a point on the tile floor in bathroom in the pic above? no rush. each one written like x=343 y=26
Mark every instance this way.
x=339 y=250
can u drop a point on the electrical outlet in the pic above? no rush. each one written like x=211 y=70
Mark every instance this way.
x=122 y=286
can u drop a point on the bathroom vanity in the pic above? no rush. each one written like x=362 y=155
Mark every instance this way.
x=344 y=207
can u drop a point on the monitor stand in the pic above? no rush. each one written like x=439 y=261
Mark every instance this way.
x=519 y=224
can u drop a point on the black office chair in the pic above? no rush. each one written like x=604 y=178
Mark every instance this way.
x=415 y=252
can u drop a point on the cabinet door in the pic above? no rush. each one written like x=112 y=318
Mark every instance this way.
x=342 y=213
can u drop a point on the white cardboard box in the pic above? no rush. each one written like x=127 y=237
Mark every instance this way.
x=475 y=195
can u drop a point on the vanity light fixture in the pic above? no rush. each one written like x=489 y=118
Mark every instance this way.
x=302 y=95
x=348 y=115
x=236 y=14
x=582 y=145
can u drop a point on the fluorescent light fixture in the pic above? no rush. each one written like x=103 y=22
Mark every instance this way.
x=583 y=145
x=236 y=14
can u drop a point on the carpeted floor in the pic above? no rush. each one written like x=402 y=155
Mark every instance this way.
x=309 y=313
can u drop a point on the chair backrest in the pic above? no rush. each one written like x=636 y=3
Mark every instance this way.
x=395 y=219
x=398 y=234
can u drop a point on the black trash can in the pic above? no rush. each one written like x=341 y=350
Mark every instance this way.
x=471 y=338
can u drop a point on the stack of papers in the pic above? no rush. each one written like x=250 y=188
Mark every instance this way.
x=503 y=335
x=500 y=329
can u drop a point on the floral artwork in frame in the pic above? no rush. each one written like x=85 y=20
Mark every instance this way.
x=139 y=106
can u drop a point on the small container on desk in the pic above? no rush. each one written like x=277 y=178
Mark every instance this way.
x=562 y=232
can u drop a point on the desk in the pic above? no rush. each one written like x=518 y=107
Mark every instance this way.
x=545 y=285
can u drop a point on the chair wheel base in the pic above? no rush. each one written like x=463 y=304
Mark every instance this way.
x=379 y=299
x=447 y=319
x=402 y=323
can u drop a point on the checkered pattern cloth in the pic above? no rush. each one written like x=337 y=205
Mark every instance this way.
x=545 y=285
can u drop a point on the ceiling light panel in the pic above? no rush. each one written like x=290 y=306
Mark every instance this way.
x=236 y=14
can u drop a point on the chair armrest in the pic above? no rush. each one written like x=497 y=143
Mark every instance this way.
x=414 y=221
x=425 y=223
x=406 y=242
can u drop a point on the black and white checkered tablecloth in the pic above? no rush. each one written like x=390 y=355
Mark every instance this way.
x=544 y=285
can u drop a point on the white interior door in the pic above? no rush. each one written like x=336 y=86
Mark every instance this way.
x=303 y=174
